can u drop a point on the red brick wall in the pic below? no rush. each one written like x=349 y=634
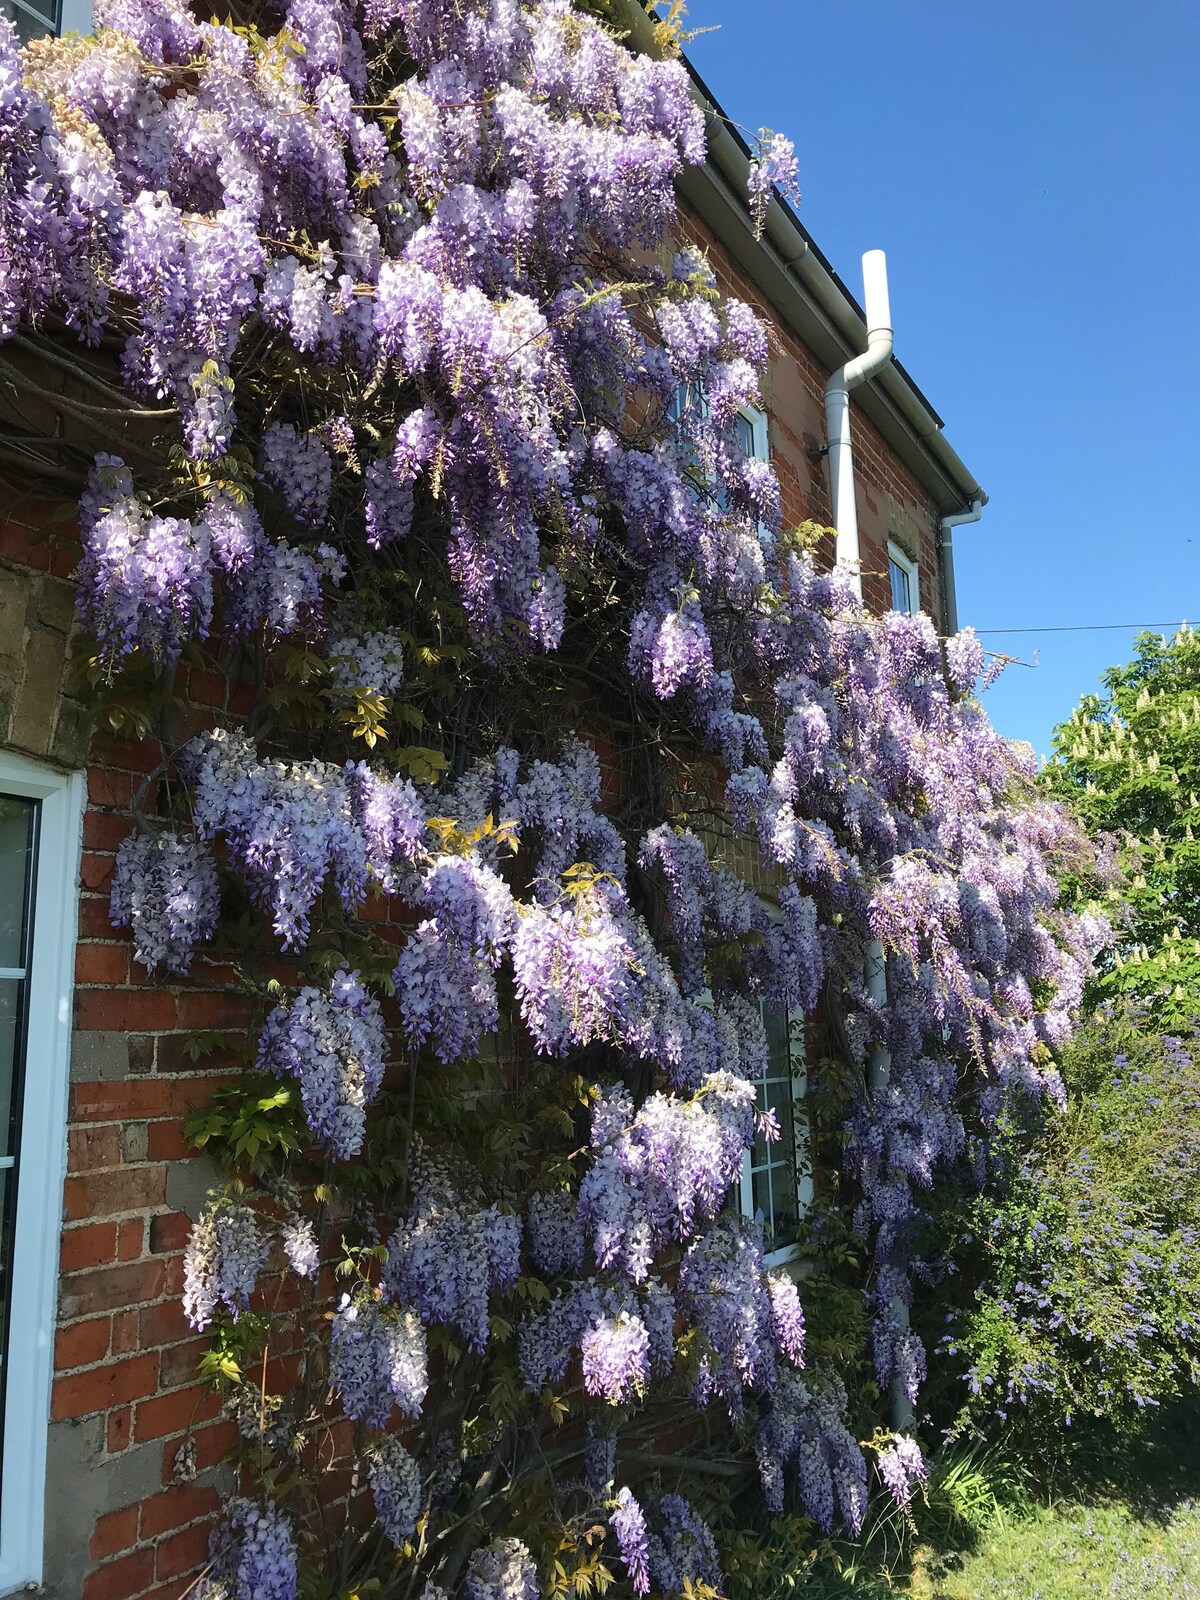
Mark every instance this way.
x=794 y=402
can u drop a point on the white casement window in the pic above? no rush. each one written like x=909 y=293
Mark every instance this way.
x=752 y=434
x=36 y=18
x=750 y=424
x=40 y=833
x=906 y=587
x=776 y=1184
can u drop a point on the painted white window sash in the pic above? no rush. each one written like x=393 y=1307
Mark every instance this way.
x=803 y=1178
x=909 y=567
x=41 y=1163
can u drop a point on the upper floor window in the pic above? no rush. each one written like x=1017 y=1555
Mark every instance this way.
x=40 y=815
x=776 y=1184
x=905 y=579
x=750 y=426
x=34 y=18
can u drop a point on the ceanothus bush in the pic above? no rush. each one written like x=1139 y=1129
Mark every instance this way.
x=397 y=289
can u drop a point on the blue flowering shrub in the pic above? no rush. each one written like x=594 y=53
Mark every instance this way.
x=1084 y=1251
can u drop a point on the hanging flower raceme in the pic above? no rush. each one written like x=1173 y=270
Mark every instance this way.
x=447 y=1259
x=225 y=1254
x=332 y=1042
x=165 y=890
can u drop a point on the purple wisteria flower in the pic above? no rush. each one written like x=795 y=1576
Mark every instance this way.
x=628 y=1524
x=902 y=1468
x=395 y=1481
x=504 y=1571
x=377 y=1359
x=252 y=1554
x=224 y=1257
x=165 y=889
x=332 y=1042
x=447 y=1257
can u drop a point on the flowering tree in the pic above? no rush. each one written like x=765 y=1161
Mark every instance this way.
x=448 y=452
x=1128 y=763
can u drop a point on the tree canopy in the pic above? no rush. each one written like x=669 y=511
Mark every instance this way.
x=1128 y=762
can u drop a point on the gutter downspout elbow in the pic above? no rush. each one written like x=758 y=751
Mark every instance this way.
x=946 y=548
x=837 y=410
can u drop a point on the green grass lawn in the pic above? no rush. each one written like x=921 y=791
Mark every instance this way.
x=1120 y=1522
x=1073 y=1552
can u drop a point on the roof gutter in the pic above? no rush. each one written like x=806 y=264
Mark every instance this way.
x=792 y=272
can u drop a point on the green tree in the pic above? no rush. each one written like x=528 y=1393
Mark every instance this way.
x=1129 y=764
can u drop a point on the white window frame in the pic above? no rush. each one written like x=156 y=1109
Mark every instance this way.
x=760 y=437
x=910 y=569
x=41 y=1161
x=803 y=1175
x=76 y=17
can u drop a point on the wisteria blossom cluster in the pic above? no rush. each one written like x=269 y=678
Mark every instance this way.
x=363 y=265
x=165 y=891
x=332 y=1041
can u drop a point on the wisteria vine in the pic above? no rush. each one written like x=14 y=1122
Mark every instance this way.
x=450 y=446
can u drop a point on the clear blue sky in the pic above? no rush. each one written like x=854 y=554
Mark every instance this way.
x=1032 y=168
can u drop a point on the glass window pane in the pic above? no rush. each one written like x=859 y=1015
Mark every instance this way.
x=16 y=859
x=745 y=435
x=12 y=1028
x=901 y=592
x=32 y=21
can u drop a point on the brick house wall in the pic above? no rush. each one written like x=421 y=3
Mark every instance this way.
x=135 y=1442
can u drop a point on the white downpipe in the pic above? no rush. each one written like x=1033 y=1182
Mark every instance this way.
x=845 y=521
x=837 y=411
x=946 y=544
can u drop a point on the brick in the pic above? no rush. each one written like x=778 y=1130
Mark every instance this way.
x=91 y=1246
x=120 y=1102
x=103 y=830
x=102 y=963
x=225 y=1056
x=120 y=1426
x=85 y=1393
x=212 y=1445
x=172 y=1413
x=171 y=1230
x=109 y=788
x=125 y=1332
x=212 y=1010
x=164 y=1323
x=115 y=1531
x=182 y=1552
x=95 y=872
x=120 y=1580
x=139 y=1010
x=206 y=688
x=176 y=1507
x=107 y=1194
x=112 y=1288
x=131 y=1238
x=81 y=1344
x=165 y=1142
x=37 y=699
x=92 y=1149
x=178 y=1363
x=94 y=920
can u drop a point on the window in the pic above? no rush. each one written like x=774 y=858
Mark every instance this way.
x=750 y=425
x=776 y=1185
x=906 y=589
x=40 y=824
x=33 y=18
